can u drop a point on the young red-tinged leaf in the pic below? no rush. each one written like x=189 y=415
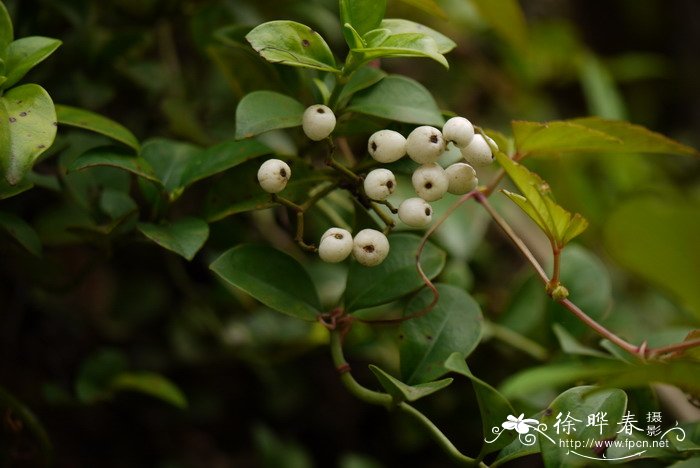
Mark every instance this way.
x=402 y=392
x=272 y=277
x=87 y=120
x=291 y=43
x=454 y=325
x=262 y=111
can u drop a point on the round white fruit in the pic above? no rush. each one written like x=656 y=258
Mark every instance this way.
x=318 y=122
x=459 y=131
x=415 y=212
x=379 y=184
x=335 y=246
x=425 y=144
x=478 y=153
x=461 y=178
x=430 y=182
x=386 y=146
x=370 y=247
x=273 y=175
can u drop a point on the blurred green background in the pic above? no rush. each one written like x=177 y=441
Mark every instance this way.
x=261 y=390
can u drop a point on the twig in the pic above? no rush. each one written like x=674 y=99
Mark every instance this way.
x=673 y=348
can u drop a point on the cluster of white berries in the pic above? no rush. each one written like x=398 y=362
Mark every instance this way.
x=424 y=145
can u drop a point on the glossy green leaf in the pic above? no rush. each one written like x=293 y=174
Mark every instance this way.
x=402 y=26
x=23 y=54
x=220 y=158
x=429 y=6
x=272 y=277
x=362 y=78
x=393 y=278
x=402 y=45
x=292 y=43
x=87 y=120
x=506 y=18
x=262 y=111
x=580 y=402
x=375 y=37
x=493 y=406
x=6 y=32
x=114 y=157
x=559 y=225
x=657 y=239
x=454 y=325
x=398 y=98
x=184 y=236
x=169 y=160
x=21 y=232
x=402 y=392
x=592 y=135
x=352 y=37
x=363 y=15
x=27 y=129
x=149 y=383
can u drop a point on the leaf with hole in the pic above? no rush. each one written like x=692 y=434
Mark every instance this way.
x=291 y=43
x=262 y=111
x=402 y=392
x=25 y=53
x=27 y=129
x=453 y=325
x=272 y=277
x=81 y=118
x=398 y=98
x=393 y=278
x=184 y=237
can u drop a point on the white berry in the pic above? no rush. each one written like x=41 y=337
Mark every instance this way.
x=415 y=212
x=273 y=175
x=430 y=182
x=370 y=247
x=335 y=246
x=379 y=184
x=478 y=152
x=425 y=144
x=461 y=178
x=386 y=146
x=459 y=131
x=318 y=122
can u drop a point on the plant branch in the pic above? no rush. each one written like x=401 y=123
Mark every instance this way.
x=673 y=348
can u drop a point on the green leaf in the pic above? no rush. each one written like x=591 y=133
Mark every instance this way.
x=570 y=345
x=429 y=6
x=362 y=78
x=272 y=277
x=261 y=111
x=27 y=129
x=149 y=383
x=402 y=392
x=493 y=406
x=97 y=372
x=402 y=26
x=601 y=92
x=23 y=54
x=6 y=32
x=559 y=225
x=580 y=402
x=22 y=232
x=507 y=19
x=402 y=45
x=452 y=326
x=393 y=278
x=114 y=157
x=352 y=37
x=184 y=237
x=401 y=99
x=81 y=118
x=657 y=239
x=7 y=190
x=592 y=135
x=169 y=160
x=292 y=43
x=220 y=158
x=375 y=37
x=362 y=15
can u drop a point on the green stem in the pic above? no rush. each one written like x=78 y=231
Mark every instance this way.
x=386 y=219
x=343 y=170
x=384 y=399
